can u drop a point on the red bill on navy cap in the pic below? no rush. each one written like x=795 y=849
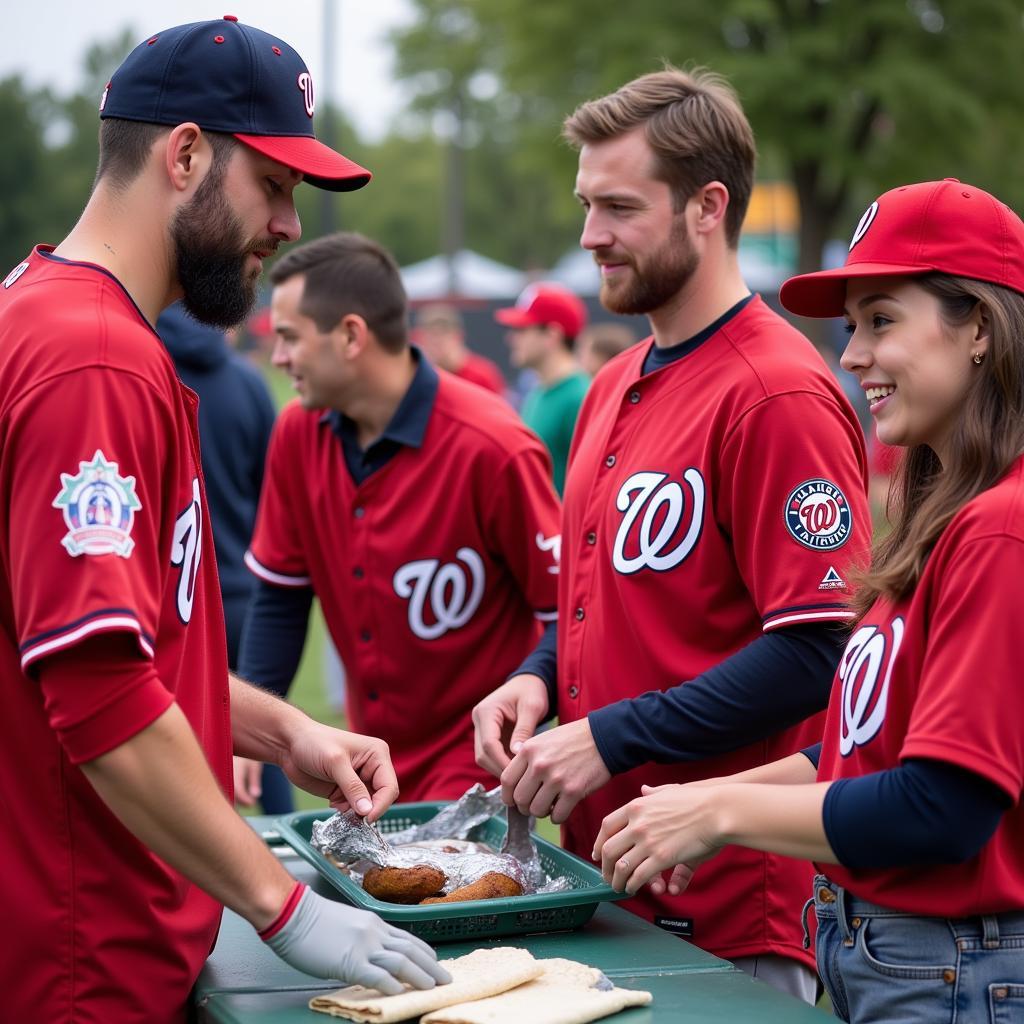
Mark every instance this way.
x=934 y=226
x=232 y=78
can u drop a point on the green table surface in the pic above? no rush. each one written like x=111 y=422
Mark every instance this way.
x=692 y=997
x=244 y=982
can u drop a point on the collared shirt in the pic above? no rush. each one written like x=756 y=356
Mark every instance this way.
x=405 y=429
x=433 y=571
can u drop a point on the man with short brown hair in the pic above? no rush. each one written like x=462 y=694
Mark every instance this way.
x=714 y=500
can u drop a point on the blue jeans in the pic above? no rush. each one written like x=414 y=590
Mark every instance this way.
x=881 y=965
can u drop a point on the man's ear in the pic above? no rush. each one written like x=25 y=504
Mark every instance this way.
x=353 y=335
x=187 y=156
x=713 y=199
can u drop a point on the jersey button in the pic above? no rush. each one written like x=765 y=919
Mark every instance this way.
x=610 y=461
x=574 y=691
x=358 y=572
x=373 y=695
x=365 y=636
x=591 y=537
x=579 y=614
x=634 y=397
x=359 y=512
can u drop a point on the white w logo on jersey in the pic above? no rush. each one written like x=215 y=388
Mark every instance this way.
x=554 y=545
x=648 y=493
x=452 y=602
x=860 y=670
x=186 y=552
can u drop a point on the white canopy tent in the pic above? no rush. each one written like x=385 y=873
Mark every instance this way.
x=474 y=277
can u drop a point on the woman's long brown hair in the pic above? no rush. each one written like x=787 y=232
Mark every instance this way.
x=986 y=440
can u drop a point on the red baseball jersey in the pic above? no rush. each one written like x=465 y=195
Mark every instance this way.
x=103 y=529
x=480 y=370
x=937 y=675
x=707 y=501
x=432 y=574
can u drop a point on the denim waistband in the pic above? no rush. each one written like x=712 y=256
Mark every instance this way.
x=831 y=900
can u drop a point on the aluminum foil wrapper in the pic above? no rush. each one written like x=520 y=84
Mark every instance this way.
x=349 y=837
x=349 y=840
x=456 y=820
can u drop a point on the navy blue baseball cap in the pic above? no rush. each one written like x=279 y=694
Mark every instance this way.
x=231 y=78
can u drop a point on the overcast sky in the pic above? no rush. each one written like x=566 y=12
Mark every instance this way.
x=50 y=51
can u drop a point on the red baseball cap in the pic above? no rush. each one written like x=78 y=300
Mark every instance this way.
x=943 y=226
x=546 y=303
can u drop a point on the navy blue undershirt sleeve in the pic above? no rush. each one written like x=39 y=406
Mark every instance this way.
x=813 y=754
x=774 y=682
x=274 y=635
x=922 y=812
x=543 y=661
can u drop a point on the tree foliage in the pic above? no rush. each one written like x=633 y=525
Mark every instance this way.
x=847 y=97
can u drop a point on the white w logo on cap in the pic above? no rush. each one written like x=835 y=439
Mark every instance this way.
x=305 y=83
x=864 y=223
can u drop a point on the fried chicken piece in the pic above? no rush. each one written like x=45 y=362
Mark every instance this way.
x=493 y=885
x=403 y=885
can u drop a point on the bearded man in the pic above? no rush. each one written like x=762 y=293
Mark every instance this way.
x=119 y=845
x=715 y=497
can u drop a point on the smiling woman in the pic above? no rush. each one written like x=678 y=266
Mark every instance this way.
x=914 y=820
x=913 y=359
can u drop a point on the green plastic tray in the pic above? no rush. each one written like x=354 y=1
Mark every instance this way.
x=453 y=922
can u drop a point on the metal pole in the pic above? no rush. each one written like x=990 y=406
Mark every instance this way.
x=327 y=132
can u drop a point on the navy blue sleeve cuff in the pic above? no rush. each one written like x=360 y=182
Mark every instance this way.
x=813 y=754
x=922 y=812
x=543 y=661
x=774 y=682
x=274 y=635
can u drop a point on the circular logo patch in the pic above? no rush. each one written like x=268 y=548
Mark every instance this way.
x=818 y=515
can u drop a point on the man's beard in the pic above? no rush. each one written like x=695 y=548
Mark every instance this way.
x=210 y=254
x=660 y=278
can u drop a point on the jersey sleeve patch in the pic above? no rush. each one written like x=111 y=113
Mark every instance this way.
x=818 y=515
x=104 y=620
x=279 y=579
x=99 y=507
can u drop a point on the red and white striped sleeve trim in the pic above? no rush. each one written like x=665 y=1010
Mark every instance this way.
x=793 y=617
x=551 y=616
x=102 y=622
x=298 y=891
x=277 y=578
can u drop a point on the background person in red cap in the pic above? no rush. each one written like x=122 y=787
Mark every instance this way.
x=914 y=814
x=118 y=843
x=542 y=329
x=715 y=497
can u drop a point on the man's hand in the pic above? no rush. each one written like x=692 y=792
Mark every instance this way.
x=554 y=771
x=331 y=940
x=351 y=770
x=505 y=719
x=668 y=826
x=248 y=781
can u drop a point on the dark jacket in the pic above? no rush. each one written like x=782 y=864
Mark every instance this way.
x=236 y=415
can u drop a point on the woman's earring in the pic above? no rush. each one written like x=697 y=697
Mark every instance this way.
x=977 y=358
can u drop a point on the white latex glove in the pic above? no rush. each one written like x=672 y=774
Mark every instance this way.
x=331 y=940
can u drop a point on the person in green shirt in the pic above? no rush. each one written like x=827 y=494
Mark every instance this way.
x=542 y=329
